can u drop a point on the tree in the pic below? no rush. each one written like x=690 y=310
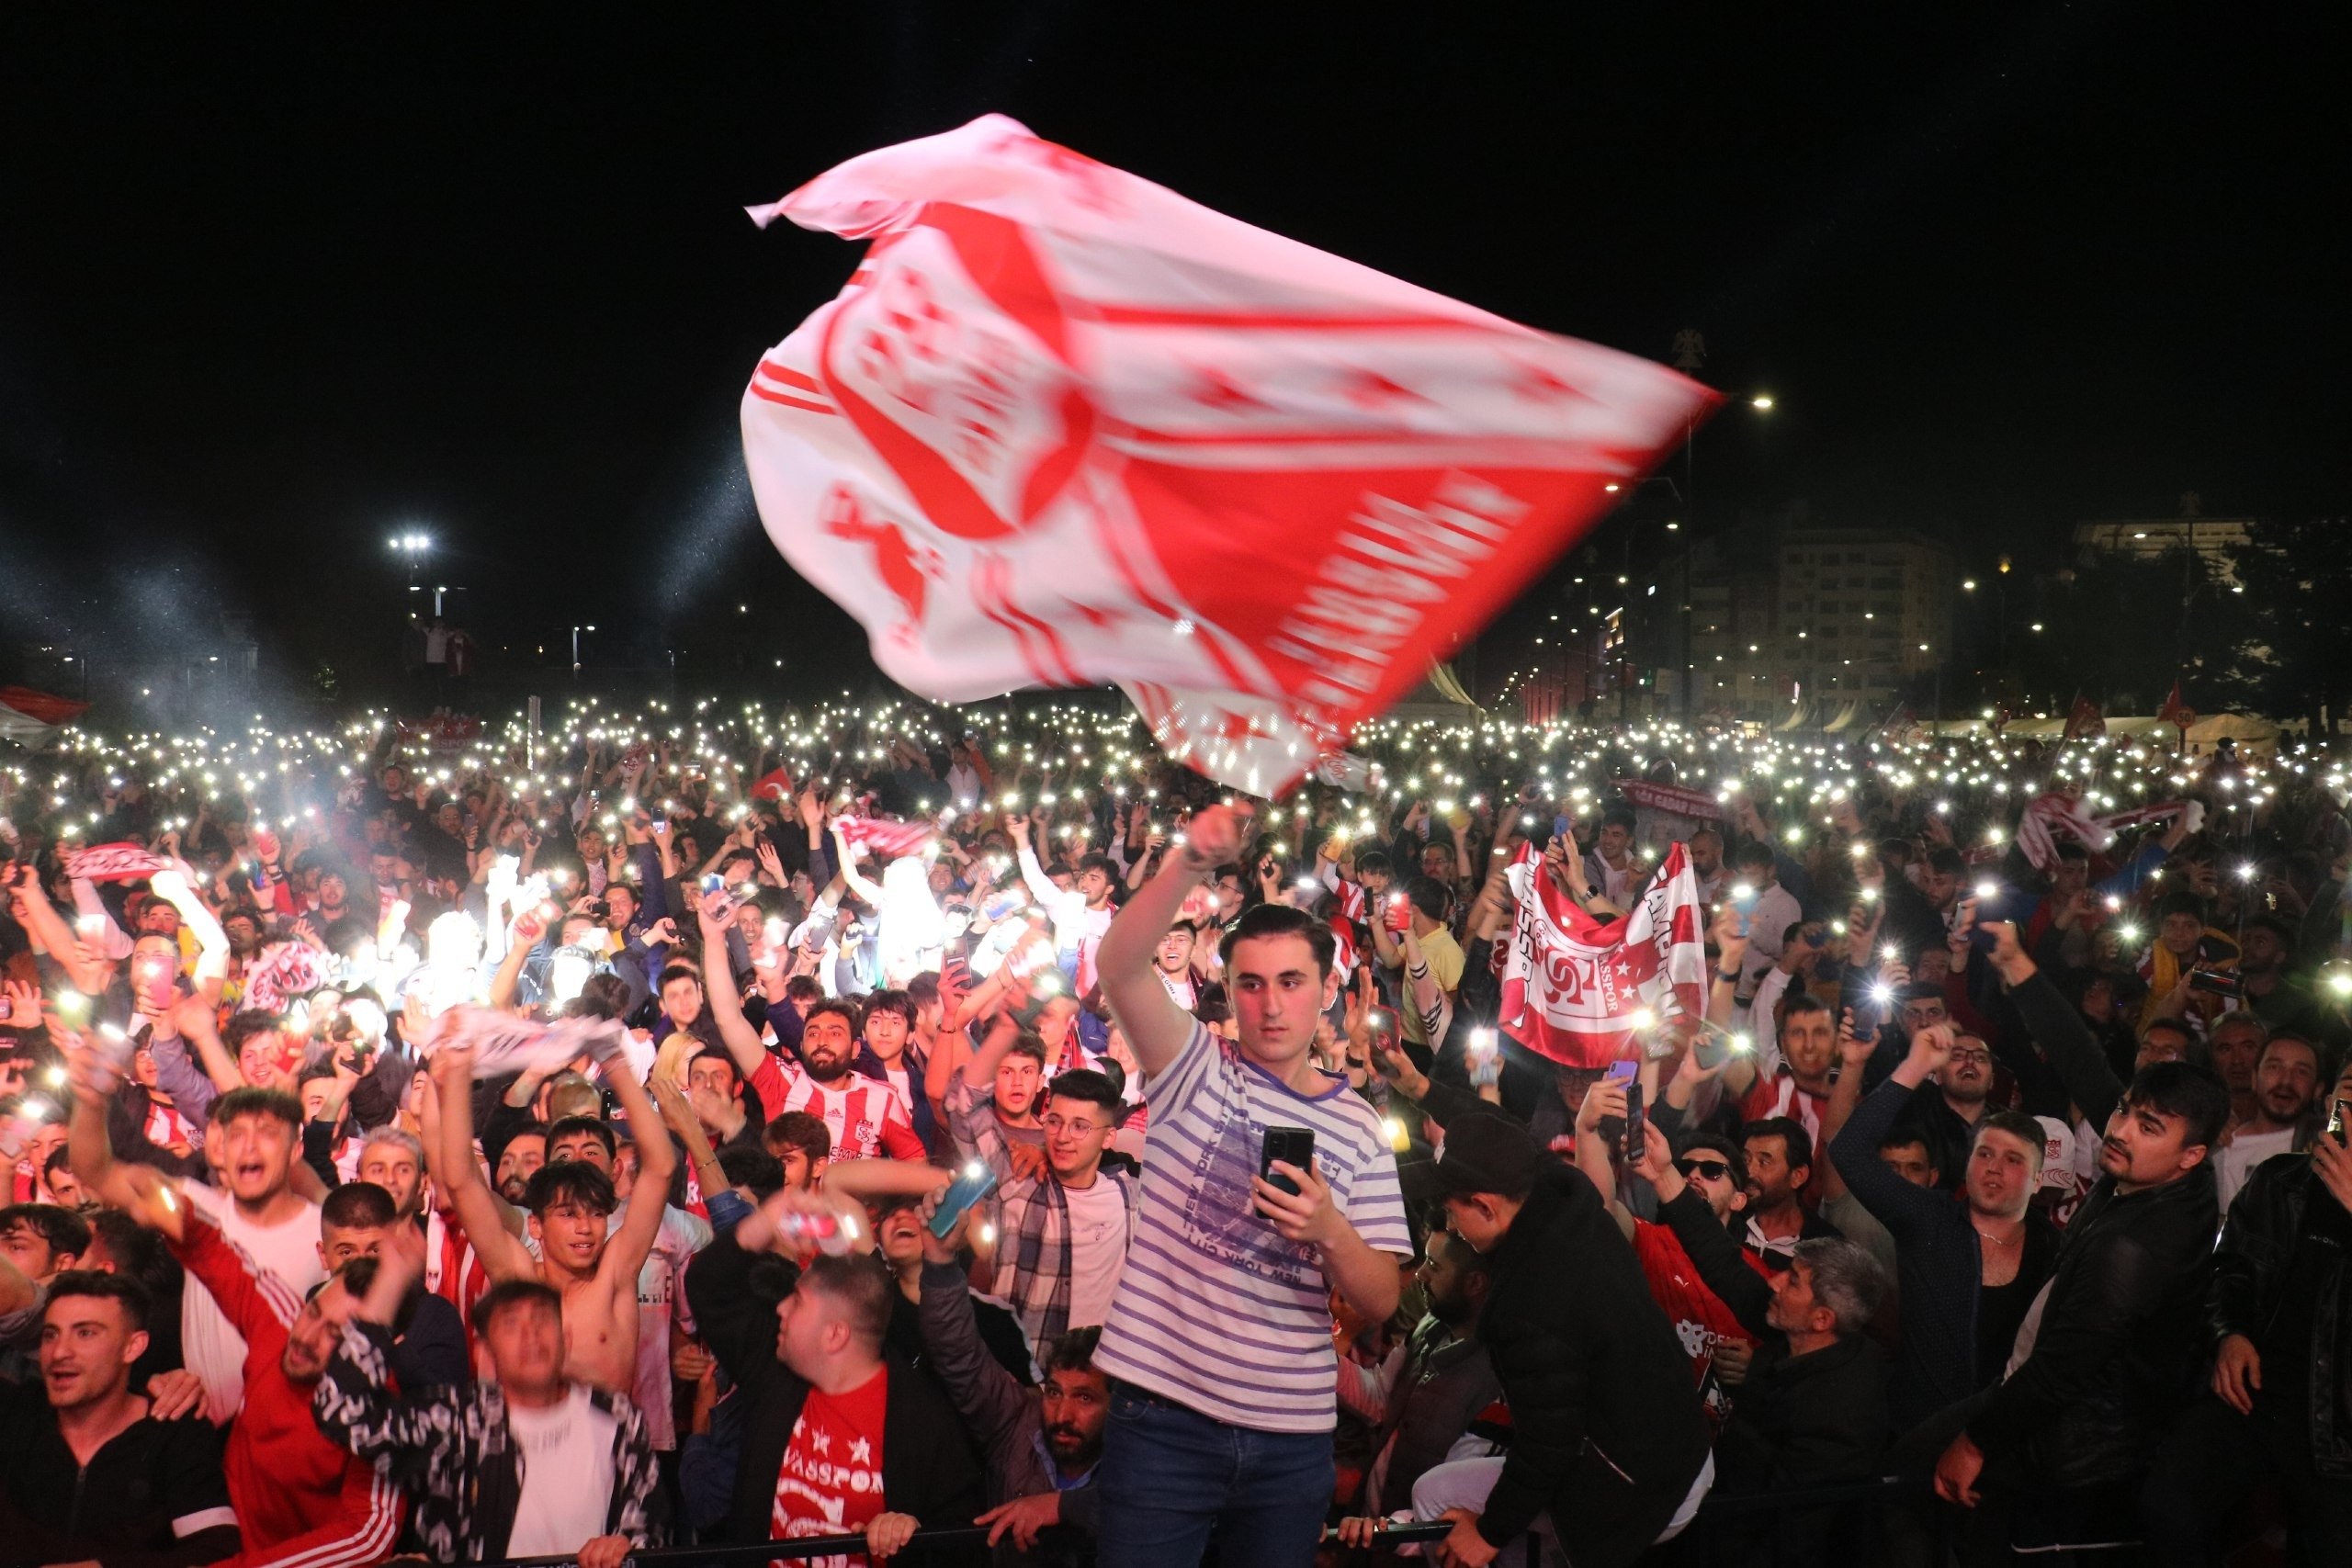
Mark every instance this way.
x=2120 y=629
x=2291 y=656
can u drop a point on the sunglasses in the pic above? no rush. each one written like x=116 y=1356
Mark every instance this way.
x=1711 y=1170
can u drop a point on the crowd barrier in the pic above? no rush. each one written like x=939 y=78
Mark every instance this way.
x=1718 y=1507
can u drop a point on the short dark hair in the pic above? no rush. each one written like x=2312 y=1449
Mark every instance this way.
x=601 y=996
x=1093 y=1087
x=2191 y=1093
x=1717 y=1143
x=799 y=1130
x=239 y=1104
x=2017 y=1125
x=676 y=972
x=1430 y=897
x=1095 y=861
x=244 y=1025
x=1795 y=1001
x=1030 y=1045
x=1752 y=855
x=721 y=1054
x=2069 y=850
x=801 y=986
x=1072 y=1352
x=569 y=1181
x=1945 y=860
x=861 y=1283
x=1265 y=921
x=595 y=1127
x=358 y=1206
x=136 y=1251
x=137 y=1305
x=2276 y=925
x=64 y=1230
x=1788 y=1130
x=1373 y=863
x=2181 y=903
x=512 y=1292
x=754 y=1169
x=923 y=991
x=836 y=1007
x=887 y=1000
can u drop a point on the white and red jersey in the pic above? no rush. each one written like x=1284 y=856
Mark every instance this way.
x=167 y=1128
x=453 y=1270
x=862 y=1113
x=1781 y=1095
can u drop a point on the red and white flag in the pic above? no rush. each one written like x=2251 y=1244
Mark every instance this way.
x=887 y=837
x=28 y=716
x=1064 y=427
x=122 y=862
x=1572 y=984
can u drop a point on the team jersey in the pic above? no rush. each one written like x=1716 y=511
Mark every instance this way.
x=863 y=1114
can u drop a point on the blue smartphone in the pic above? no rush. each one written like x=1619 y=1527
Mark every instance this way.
x=974 y=1182
x=1743 y=898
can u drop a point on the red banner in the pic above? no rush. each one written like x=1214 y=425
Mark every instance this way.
x=1064 y=427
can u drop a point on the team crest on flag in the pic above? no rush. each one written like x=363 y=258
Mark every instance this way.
x=1064 y=427
x=1572 y=984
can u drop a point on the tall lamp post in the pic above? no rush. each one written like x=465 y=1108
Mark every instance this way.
x=576 y=648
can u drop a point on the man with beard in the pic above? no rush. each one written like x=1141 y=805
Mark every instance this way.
x=1041 y=1443
x=254 y=1145
x=2265 y=949
x=524 y=1153
x=1423 y=1397
x=2235 y=1042
x=2286 y=1082
x=1968 y=1268
x=863 y=1114
x=1953 y=1105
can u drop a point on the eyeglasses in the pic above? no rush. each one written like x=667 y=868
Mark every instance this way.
x=1057 y=1124
x=1709 y=1169
x=1983 y=1058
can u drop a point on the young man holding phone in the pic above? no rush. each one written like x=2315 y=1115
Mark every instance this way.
x=1219 y=1339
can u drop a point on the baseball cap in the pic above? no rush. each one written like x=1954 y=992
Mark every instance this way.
x=1486 y=1153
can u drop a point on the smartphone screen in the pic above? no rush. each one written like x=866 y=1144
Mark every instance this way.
x=1293 y=1146
x=1635 y=1138
x=974 y=1182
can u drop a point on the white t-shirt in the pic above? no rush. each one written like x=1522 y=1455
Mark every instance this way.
x=1215 y=1310
x=1098 y=1250
x=566 y=1450
x=2245 y=1151
x=212 y=1349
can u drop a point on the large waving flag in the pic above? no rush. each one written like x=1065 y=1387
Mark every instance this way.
x=1064 y=427
x=31 y=717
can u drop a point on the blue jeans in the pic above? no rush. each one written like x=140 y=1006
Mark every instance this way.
x=1170 y=1475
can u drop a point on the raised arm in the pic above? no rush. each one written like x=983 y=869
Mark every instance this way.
x=1155 y=1027
x=725 y=1000
x=657 y=1160
x=460 y=1178
x=2056 y=1026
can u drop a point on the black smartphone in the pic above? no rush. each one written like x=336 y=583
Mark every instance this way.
x=2216 y=985
x=1293 y=1146
x=974 y=1182
x=2340 y=1125
x=1637 y=1139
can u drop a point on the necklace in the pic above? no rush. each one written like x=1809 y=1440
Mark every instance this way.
x=1998 y=1240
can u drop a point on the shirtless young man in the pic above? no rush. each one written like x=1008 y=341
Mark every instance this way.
x=570 y=1201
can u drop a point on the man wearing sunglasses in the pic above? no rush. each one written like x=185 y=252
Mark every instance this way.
x=1712 y=1334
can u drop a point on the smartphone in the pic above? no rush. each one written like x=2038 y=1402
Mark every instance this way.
x=1743 y=898
x=1626 y=1072
x=1383 y=1024
x=1635 y=1138
x=1293 y=1146
x=2339 y=1124
x=1400 y=912
x=974 y=1182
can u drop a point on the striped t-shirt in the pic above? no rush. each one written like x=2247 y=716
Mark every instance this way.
x=1216 y=1310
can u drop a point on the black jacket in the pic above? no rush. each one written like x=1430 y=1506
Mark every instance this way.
x=2120 y=1329
x=1607 y=1432
x=2273 y=1220
x=1808 y=1420
x=929 y=1469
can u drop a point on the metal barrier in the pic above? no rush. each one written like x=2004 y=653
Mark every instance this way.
x=1718 y=1506
x=748 y=1552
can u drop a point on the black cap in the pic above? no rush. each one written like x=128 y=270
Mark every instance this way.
x=1488 y=1153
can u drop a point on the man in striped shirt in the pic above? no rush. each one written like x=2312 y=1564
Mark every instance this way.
x=1219 y=1338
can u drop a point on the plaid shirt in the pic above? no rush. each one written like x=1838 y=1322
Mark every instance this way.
x=1032 y=1267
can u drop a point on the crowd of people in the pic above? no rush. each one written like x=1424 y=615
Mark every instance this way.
x=835 y=1126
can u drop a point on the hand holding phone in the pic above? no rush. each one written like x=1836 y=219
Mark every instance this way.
x=1400 y=913
x=974 y=1182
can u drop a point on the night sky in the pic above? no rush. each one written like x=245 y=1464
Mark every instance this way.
x=275 y=288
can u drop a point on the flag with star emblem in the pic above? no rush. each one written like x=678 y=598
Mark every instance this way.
x=1063 y=427
x=1574 y=984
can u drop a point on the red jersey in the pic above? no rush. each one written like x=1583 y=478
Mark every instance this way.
x=863 y=1114
x=301 y=1501
x=831 y=1480
x=1700 y=1317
